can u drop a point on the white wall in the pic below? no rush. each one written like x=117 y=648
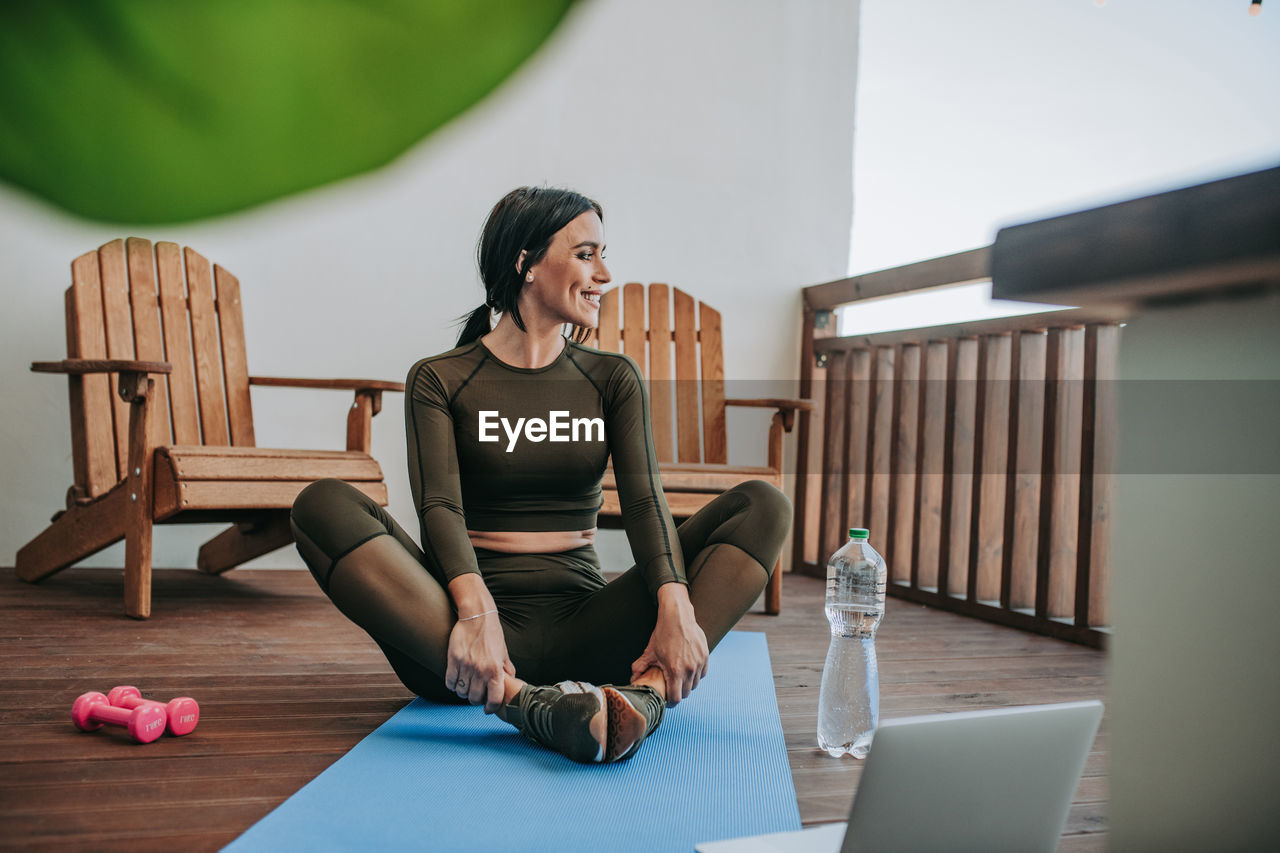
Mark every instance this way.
x=972 y=116
x=1104 y=103
x=717 y=134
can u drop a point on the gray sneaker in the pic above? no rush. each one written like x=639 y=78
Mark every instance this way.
x=567 y=718
x=634 y=712
x=561 y=717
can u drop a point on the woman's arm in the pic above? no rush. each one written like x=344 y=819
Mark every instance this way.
x=477 y=656
x=478 y=659
x=645 y=515
x=433 y=474
x=678 y=646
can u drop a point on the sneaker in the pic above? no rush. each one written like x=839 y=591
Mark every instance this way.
x=566 y=718
x=634 y=713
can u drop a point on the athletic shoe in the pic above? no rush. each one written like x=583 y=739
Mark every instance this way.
x=567 y=719
x=560 y=718
x=634 y=712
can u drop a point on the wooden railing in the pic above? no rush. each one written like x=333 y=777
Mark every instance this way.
x=978 y=454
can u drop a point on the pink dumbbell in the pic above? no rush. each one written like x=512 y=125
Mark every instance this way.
x=145 y=723
x=183 y=712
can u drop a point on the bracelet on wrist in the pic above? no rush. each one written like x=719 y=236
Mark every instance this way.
x=478 y=615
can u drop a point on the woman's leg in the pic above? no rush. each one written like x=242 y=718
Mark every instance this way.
x=729 y=549
x=379 y=578
x=383 y=582
x=729 y=546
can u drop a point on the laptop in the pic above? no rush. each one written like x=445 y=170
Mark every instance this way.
x=999 y=780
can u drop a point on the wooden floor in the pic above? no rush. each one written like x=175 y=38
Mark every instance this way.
x=286 y=686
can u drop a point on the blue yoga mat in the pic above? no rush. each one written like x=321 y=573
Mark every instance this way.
x=439 y=777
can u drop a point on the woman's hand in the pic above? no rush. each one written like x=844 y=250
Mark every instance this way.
x=678 y=646
x=477 y=662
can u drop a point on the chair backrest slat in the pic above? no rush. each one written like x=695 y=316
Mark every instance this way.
x=93 y=443
x=208 y=355
x=133 y=300
x=683 y=331
x=606 y=336
x=234 y=364
x=688 y=414
x=177 y=338
x=148 y=336
x=660 y=384
x=119 y=328
x=713 y=427
x=633 y=325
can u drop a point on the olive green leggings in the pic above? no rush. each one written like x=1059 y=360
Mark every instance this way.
x=560 y=618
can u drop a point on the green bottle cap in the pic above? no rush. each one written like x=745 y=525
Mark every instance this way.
x=859 y=533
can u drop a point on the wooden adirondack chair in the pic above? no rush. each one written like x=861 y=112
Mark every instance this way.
x=178 y=445
x=693 y=469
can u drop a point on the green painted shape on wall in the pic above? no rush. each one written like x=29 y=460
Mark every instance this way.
x=161 y=111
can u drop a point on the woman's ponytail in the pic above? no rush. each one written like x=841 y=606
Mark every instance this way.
x=477 y=325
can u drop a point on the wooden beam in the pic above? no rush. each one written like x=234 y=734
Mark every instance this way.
x=242 y=542
x=946 y=271
x=996 y=326
x=1097 y=462
x=81 y=531
x=143 y=419
x=906 y=474
x=809 y=450
x=834 y=511
x=1061 y=630
x=880 y=459
x=1211 y=236
x=360 y=420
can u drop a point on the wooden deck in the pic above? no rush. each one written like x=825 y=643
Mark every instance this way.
x=286 y=685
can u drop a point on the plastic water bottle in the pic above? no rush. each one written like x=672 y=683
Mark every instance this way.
x=849 y=701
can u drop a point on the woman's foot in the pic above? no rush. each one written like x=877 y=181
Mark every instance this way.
x=634 y=712
x=583 y=722
x=569 y=718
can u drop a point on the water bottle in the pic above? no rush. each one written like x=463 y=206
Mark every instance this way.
x=849 y=701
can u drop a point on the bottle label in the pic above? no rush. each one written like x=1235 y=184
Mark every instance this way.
x=855 y=597
x=852 y=582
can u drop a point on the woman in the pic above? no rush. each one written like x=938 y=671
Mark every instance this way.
x=509 y=434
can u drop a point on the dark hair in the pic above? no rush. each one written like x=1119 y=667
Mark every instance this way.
x=526 y=219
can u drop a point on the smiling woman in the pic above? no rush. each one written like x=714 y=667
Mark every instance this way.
x=507 y=591
x=532 y=226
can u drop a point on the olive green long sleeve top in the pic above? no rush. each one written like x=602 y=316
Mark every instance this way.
x=497 y=447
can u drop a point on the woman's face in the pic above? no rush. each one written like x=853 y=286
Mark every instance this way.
x=569 y=279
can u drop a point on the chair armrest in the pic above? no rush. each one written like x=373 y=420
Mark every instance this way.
x=133 y=375
x=333 y=384
x=78 y=366
x=787 y=409
x=773 y=403
x=367 y=405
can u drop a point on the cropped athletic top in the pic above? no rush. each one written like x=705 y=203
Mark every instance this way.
x=497 y=447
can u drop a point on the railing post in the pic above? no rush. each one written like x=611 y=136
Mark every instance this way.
x=816 y=323
x=836 y=436
x=1097 y=461
x=904 y=489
